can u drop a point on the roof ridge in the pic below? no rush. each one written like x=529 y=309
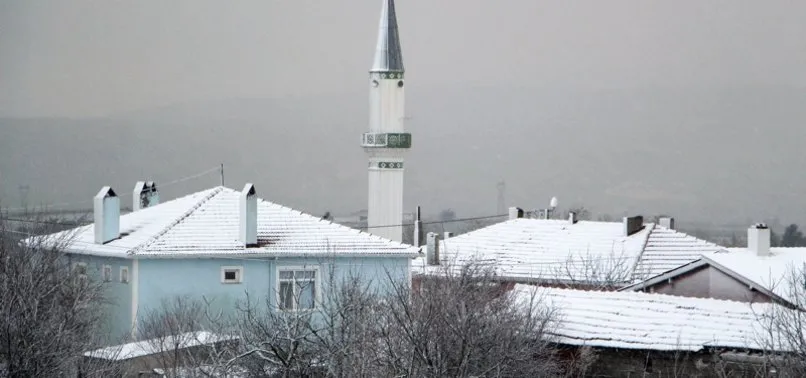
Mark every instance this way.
x=182 y=217
x=643 y=249
x=337 y=225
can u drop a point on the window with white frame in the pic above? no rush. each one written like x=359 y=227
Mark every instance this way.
x=107 y=273
x=124 y=274
x=231 y=274
x=297 y=288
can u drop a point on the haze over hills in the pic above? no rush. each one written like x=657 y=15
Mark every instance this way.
x=658 y=150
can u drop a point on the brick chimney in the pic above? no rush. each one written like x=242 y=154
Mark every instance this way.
x=247 y=221
x=106 y=209
x=758 y=239
x=632 y=224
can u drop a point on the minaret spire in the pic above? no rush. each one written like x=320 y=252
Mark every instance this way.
x=387 y=141
x=388 y=57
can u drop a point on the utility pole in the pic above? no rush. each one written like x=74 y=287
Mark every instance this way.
x=222 y=174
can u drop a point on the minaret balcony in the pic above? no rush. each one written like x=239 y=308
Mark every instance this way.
x=386 y=140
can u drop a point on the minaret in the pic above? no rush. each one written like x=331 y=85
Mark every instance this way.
x=386 y=142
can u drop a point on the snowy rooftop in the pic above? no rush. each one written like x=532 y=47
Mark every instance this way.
x=558 y=250
x=769 y=272
x=635 y=320
x=206 y=223
x=153 y=346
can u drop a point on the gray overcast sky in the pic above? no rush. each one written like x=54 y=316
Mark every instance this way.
x=689 y=107
x=92 y=58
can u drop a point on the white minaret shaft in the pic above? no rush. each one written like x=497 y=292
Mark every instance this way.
x=386 y=142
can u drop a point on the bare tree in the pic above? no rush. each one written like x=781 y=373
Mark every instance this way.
x=51 y=313
x=783 y=326
x=594 y=271
x=186 y=337
x=464 y=323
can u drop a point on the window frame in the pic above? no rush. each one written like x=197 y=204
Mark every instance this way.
x=106 y=268
x=81 y=278
x=317 y=284
x=124 y=269
x=238 y=275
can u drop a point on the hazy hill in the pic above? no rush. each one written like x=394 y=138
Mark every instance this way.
x=726 y=155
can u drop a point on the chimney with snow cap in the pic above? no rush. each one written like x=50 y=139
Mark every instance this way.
x=667 y=222
x=572 y=217
x=758 y=239
x=432 y=252
x=515 y=213
x=106 y=209
x=247 y=220
x=144 y=195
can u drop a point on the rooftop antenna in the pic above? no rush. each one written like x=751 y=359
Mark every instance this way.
x=552 y=206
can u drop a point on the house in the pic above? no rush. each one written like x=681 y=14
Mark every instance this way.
x=153 y=357
x=634 y=333
x=566 y=252
x=221 y=243
x=757 y=273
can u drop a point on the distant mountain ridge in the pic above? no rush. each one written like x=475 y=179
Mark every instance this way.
x=722 y=155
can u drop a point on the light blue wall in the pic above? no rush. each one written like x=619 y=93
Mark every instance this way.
x=164 y=279
x=117 y=294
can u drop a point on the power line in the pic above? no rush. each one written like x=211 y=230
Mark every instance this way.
x=162 y=185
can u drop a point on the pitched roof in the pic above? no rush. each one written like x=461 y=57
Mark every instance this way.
x=772 y=273
x=557 y=250
x=635 y=320
x=668 y=249
x=160 y=345
x=206 y=223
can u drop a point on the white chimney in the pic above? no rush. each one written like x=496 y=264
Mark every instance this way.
x=448 y=235
x=432 y=254
x=247 y=222
x=572 y=217
x=667 y=222
x=515 y=213
x=154 y=198
x=106 y=208
x=758 y=239
x=144 y=195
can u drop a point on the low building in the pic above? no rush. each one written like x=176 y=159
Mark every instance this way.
x=155 y=357
x=221 y=243
x=757 y=273
x=566 y=252
x=634 y=334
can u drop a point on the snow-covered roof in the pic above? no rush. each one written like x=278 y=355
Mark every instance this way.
x=667 y=249
x=158 y=345
x=207 y=223
x=636 y=320
x=772 y=273
x=557 y=250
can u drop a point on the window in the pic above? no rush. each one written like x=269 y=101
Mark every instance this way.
x=231 y=274
x=124 y=274
x=80 y=271
x=297 y=289
x=107 y=272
